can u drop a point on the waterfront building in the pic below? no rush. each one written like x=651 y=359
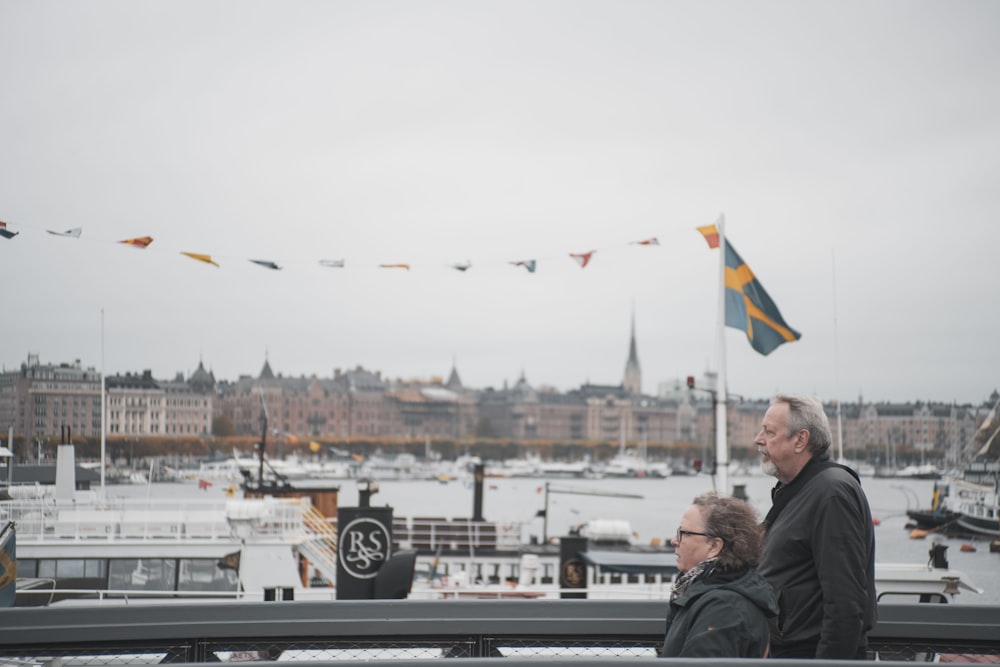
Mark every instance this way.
x=593 y=412
x=352 y=403
x=135 y=404
x=139 y=405
x=190 y=404
x=39 y=400
x=431 y=409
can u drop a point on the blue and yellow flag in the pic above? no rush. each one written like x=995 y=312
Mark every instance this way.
x=8 y=566
x=750 y=309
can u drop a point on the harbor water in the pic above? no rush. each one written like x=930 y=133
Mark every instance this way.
x=653 y=515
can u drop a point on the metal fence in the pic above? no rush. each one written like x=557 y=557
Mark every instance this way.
x=394 y=631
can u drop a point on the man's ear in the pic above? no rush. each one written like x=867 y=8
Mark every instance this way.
x=801 y=441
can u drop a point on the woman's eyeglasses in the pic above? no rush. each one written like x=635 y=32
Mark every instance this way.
x=682 y=533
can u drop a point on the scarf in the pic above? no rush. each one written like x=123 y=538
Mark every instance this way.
x=685 y=579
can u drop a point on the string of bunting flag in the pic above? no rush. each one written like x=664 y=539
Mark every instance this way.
x=748 y=307
x=582 y=259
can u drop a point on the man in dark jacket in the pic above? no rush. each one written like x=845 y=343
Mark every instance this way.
x=819 y=548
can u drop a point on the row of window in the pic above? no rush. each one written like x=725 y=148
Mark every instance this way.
x=84 y=401
x=76 y=423
x=71 y=382
x=135 y=429
x=133 y=574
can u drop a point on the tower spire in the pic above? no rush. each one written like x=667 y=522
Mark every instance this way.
x=633 y=374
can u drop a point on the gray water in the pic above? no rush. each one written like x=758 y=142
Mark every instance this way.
x=653 y=516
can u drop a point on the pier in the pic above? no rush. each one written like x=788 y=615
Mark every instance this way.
x=549 y=632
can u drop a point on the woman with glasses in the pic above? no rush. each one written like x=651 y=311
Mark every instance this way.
x=719 y=605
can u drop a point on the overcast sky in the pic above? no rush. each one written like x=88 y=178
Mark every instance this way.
x=853 y=147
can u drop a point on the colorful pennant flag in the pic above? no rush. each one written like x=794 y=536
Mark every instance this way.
x=8 y=565
x=6 y=233
x=71 y=233
x=266 y=263
x=582 y=258
x=395 y=266
x=332 y=263
x=462 y=267
x=526 y=263
x=201 y=257
x=649 y=241
x=750 y=309
x=711 y=234
x=139 y=242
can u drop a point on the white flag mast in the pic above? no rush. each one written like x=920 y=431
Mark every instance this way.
x=104 y=412
x=721 y=444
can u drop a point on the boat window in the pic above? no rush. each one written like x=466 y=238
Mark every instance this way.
x=142 y=574
x=27 y=567
x=64 y=568
x=47 y=568
x=203 y=574
x=95 y=567
x=69 y=568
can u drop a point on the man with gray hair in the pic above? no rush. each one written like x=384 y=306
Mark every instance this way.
x=819 y=547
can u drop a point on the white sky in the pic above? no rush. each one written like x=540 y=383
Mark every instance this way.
x=853 y=146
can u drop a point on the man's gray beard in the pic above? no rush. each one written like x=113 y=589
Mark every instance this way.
x=768 y=468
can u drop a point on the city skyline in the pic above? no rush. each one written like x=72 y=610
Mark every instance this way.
x=663 y=387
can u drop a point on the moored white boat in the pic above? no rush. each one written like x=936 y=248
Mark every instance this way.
x=922 y=471
x=82 y=544
x=977 y=507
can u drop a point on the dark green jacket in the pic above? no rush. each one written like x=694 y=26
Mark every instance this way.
x=724 y=615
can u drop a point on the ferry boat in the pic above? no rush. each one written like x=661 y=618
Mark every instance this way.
x=74 y=544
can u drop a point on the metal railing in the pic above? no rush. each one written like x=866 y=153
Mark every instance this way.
x=390 y=631
x=41 y=519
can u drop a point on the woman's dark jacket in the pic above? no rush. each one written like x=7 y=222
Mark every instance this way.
x=722 y=615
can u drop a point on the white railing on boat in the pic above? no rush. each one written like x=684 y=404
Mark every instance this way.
x=43 y=519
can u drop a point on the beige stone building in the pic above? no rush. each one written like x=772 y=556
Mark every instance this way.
x=41 y=400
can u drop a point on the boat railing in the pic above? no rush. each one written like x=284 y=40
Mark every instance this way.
x=45 y=519
x=62 y=597
x=429 y=534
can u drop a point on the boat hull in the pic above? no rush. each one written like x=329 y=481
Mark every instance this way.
x=979 y=526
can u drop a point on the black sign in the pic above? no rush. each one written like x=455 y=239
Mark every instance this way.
x=364 y=544
x=572 y=567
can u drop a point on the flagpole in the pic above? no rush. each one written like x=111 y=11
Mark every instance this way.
x=103 y=411
x=721 y=446
x=836 y=361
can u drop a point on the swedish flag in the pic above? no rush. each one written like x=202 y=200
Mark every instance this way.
x=8 y=566
x=750 y=309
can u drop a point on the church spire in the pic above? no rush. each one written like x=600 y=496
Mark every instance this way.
x=266 y=373
x=633 y=374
